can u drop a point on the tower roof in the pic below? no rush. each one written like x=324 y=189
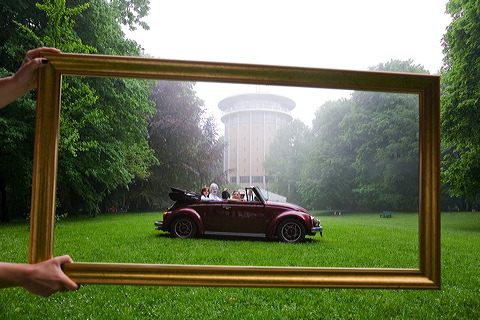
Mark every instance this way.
x=230 y=101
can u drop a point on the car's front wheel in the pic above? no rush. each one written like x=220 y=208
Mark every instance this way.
x=291 y=230
x=183 y=227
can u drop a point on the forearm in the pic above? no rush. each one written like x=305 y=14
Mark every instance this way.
x=11 y=89
x=43 y=278
x=13 y=274
x=25 y=79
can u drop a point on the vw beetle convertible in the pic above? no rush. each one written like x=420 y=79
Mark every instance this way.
x=189 y=217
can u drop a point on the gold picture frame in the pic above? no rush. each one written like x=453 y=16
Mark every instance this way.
x=427 y=276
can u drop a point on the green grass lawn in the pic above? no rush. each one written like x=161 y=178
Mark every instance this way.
x=350 y=240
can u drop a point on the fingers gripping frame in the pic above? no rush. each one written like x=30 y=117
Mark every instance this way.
x=427 y=87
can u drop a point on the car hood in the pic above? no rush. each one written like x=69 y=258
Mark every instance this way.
x=286 y=205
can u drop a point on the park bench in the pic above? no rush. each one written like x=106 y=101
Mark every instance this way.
x=386 y=214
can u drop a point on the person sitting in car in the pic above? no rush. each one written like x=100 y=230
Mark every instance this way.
x=214 y=192
x=225 y=194
x=250 y=196
x=236 y=196
x=205 y=193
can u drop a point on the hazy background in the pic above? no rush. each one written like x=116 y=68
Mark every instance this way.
x=342 y=34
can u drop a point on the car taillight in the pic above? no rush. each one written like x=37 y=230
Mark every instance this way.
x=165 y=213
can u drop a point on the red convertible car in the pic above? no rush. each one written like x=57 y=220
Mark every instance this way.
x=190 y=217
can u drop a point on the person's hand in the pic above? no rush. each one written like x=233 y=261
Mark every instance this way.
x=27 y=76
x=47 y=277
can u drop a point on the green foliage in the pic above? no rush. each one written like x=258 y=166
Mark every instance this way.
x=400 y=66
x=14 y=42
x=185 y=143
x=17 y=120
x=460 y=100
x=112 y=148
x=99 y=26
x=59 y=31
x=326 y=181
x=361 y=152
x=103 y=142
x=349 y=240
x=287 y=158
x=106 y=155
x=130 y=12
x=16 y=151
x=383 y=130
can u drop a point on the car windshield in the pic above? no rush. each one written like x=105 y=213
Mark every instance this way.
x=259 y=193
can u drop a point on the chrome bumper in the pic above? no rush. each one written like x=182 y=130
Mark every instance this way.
x=317 y=229
x=158 y=225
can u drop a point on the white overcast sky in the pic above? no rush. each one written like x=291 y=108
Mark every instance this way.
x=337 y=34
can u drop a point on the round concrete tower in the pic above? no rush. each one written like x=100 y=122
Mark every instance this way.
x=251 y=123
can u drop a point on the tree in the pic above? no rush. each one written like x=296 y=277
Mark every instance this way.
x=460 y=107
x=131 y=12
x=186 y=145
x=327 y=179
x=16 y=152
x=112 y=147
x=100 y=25
x=17 y=121
x=106 y=154
x=103 y=131
x=286 y=159
x=383 y=130
x=365 y=150
x=110 y=138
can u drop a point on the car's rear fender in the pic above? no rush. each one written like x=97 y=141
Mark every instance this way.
x=184 y=212
x=300 y=216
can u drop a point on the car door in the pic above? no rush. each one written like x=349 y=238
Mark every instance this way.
x=243 y=217
x=211 y=215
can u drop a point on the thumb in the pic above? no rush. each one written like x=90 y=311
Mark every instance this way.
x=68 y=283
x=63 y=259
x=27 y=74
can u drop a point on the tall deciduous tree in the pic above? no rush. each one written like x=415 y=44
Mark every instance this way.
x=461 y=101
x=327 y=180
x=186 y=145
x=131 y=12
x=286 y=160
x=16 y=142
x=103 y=130
x=365 y=150
x=383 y=130
x=18 y=119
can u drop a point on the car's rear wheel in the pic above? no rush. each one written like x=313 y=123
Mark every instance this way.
x=183 y=227
x=291 y=230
